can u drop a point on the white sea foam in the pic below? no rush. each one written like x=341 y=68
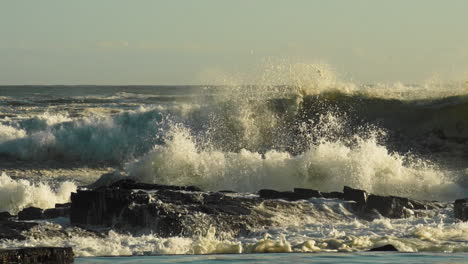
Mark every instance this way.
x=9 y=133
x=439 y=234
x=18 y=194
x=326 y=166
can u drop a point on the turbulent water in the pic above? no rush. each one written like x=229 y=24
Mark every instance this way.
x=314 y=131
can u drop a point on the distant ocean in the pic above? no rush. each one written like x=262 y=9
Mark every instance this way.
x=405 y=140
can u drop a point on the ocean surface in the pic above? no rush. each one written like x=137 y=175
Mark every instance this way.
x=322 y=133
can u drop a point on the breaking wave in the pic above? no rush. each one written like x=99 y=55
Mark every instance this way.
x=16 y=195
x=296 y=126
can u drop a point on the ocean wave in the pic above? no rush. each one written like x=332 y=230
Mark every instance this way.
x=326 y=166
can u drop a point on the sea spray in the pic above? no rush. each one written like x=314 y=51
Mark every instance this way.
x=327 y=166
x=18 y=194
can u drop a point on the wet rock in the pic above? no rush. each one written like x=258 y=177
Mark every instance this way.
x=309 y=193
x=359 y=196
x=174 y=212
x=138 y=208
x=13 y=229
x=461 y=209
x=37 y=255
x=30 y=213
x=389 y=206
x=130 y=184
x=297 y=194
x=64 y=205
x=388 y=247
x=56 y=212
x=368 y=205
x=5 y=216
x=333 y=195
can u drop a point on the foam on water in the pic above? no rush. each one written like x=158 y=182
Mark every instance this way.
x=18 y=194
x=327 y=166
x=436 y=234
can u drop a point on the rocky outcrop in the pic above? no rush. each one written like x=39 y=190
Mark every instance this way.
x=30 y=213
x=460 y=208
x=13 y=230
x=62 y=255
x=388 y=206
x=34 y=213
x=350 y=194
x=165 y=210
x=134 y=207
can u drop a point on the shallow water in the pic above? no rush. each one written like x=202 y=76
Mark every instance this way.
x=373 y=258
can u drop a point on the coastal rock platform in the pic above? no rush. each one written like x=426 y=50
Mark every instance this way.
x=134 y=207
x=49 y=255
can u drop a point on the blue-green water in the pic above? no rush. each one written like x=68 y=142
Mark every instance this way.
x=290 y=258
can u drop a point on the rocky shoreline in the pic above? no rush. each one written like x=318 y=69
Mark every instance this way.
x=138 y=208
x=45 y=255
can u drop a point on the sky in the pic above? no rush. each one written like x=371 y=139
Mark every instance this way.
x=152 y=42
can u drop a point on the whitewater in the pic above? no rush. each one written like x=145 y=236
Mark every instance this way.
x=295 y=126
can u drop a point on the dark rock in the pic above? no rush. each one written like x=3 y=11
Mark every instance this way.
x=13 y=230
x=359 y=196
x=269 y=194
x=138 y=208
x=309 y=193
x=56 y=212
x=333 y=195
x=167 y=212
x=301 y=194
x=63 y=205
x=389 y=206
x=388 y=247
x=130 y=184
x=399 y=207
x=37 y=255
x=30 y=213
x=5 y=216
x=460 y=208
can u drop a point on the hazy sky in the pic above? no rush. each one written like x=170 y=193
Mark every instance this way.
x=178 y=42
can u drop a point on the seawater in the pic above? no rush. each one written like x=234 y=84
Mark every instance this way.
x=296 y=126
x=371 y=258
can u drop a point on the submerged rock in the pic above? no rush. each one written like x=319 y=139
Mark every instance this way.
x=461 y=209
x=62 y=255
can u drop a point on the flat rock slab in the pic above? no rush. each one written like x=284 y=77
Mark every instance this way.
x=62 y=255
